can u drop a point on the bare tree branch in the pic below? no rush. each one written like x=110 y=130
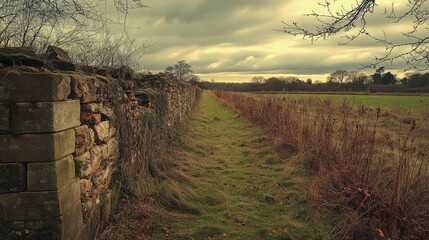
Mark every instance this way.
x=77 y=25
x=414 y=51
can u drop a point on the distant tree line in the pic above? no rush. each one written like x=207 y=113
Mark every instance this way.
x=338 y=81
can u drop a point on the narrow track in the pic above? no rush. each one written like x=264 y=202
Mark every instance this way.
x=236 y=185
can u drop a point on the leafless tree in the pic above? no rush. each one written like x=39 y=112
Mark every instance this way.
x=169 y=70
x=31 y=22
x=353 y=20
x=339 y=76
x=358 y=77
x=258 y=79
x=108 y=50
x=182 y=70
x=74 y=25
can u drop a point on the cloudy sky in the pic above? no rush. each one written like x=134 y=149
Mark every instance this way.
x=234 y=40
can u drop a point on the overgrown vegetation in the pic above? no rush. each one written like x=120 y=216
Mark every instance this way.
x=146 y=133
x=226 y=180
x=145 y=137
x=378 y=179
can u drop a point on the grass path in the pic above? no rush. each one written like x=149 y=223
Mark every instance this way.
x=240 y=187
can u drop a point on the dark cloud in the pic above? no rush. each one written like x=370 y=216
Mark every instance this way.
x=239 y=37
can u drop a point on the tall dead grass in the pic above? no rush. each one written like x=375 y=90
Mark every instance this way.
x=146 y=139
x=379 y=181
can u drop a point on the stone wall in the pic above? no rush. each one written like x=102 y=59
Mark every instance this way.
x=62 y=137
x=39 y=192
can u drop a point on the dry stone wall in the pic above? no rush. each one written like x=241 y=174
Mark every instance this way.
x=39 y=192
x=62 y=137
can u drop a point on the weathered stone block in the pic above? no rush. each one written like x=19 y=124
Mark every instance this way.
x=86 y=69
x=21 y=56
x=96 y=89
x=83 y=165
x=109 y=89
x=69 y=195
x=45 y=116
x=103 y=178
x=12 y=177
x=85 y=117
x=47 y=176
x=68 y=226
x=96 y=157
x=101 y=72
x=85 y=139
x=4 y=116
x=106 y=151
x=96 y=118
x=102 y=131
x=124 y=73
x=60 y=59
x=72 y=223
x=84 y=88
x=106 y=109
x=27 y=230
x=101 y=151
x=29 y=206
x=36 y=147
x=34 y=87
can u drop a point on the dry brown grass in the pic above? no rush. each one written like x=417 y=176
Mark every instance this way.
x=377 y=179
x=145 y=142
x=147 y=174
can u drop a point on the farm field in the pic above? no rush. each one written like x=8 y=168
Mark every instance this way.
x=370 y=164
x=397 y=112
x=414 y=104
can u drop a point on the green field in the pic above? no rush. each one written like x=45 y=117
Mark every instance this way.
x=385 y=102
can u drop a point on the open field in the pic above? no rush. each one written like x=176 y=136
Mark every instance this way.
x=386 y=102
x=396 y=112
x=371 y=166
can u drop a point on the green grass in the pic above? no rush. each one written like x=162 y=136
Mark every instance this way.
x=385 y=102
x=239 y=186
